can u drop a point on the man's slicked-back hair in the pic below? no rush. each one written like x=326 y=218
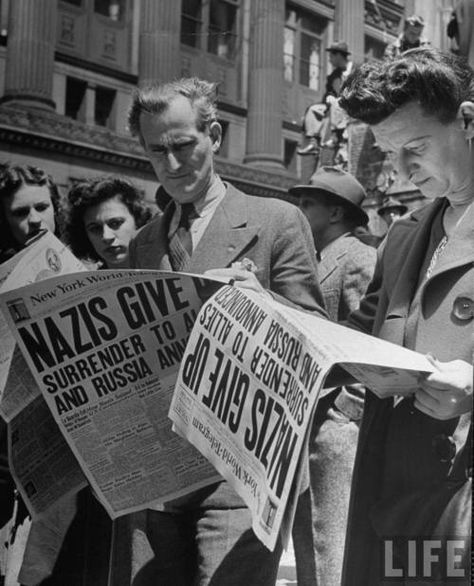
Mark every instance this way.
x=437 y=80
x=156 y=98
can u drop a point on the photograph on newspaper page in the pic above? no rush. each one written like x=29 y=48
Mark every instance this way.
x=249 y=384
x=244 y=397
x=44 y=258
x=105 y=349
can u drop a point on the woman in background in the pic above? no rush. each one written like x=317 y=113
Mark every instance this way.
x=29 y=202
x=104 y=215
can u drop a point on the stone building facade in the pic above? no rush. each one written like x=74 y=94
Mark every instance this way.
x=68 y=69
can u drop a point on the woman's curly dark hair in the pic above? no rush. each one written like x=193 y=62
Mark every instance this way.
x=12 y=178
x=91 y=192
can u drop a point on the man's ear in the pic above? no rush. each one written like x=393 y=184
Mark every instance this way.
x=466 y=111
x=336 y=215
x=215 y=132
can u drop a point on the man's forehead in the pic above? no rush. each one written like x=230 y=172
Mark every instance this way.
x=406 y=124
x=167 y=125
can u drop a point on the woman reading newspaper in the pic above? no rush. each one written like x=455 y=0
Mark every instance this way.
x=29 y=203
x=411 y=481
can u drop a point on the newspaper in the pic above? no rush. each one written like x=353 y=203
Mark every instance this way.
x=249 y=384
x=105 y=349
x=42 y=464
x=44 y=258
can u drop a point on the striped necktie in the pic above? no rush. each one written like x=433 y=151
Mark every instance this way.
x=181 y=243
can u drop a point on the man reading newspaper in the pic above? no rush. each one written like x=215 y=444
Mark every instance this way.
x=263 y=245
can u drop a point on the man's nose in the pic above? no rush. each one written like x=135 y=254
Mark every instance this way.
x=173 y=161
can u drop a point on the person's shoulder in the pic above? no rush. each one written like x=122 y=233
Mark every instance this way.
x=271 y=205
x=356 y=251
x=148 y=232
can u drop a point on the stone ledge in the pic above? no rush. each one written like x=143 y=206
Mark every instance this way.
x=48 y=131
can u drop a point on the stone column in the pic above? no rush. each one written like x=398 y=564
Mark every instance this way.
x=30 y=53
x=159 y=44
x=349 y=26
x=264 y=121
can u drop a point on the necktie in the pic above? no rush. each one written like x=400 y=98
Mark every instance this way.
x=181 y=244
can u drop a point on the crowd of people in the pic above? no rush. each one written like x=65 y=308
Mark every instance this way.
x=378 y=470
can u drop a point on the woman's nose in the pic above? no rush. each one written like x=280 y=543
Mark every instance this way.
x=34 y=218
x=107 y=233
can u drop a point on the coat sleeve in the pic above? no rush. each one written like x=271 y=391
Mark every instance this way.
x=363 y=318
x=357 y=276
x=293 y=271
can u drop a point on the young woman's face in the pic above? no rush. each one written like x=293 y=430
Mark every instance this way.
x=29 y=210
x=110 y=226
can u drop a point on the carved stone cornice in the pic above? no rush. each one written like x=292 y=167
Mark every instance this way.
x=384 y=15
x=47 y=131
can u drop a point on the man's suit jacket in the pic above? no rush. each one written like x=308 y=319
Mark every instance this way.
x=444 y=329
x=345 y=271
x=274 y=234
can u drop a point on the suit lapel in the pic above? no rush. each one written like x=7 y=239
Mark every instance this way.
x=413 y=254
x=330 y=261
x=227 y=234
x=460 y=247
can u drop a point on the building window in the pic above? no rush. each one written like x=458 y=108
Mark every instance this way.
x=210 y=25
x=191 y=23
x=222 y=28
x=289 y=155
x=104 y=103
x=373 y=48
x=302 y=47
x=112 y=9
x=76 y=99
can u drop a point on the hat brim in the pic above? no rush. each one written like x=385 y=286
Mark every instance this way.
x=358 y=214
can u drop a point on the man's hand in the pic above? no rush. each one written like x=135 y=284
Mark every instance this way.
x=242 y=278
x=447 y=392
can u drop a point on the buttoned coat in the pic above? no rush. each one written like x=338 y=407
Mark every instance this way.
x=444 y=329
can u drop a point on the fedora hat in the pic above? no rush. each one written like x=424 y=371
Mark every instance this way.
x=339 y=184
x=339 y=47
x=391 y=203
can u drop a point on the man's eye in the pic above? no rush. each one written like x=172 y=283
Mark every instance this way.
x=182 y=146
x=94 y=229
x=42 y=207
x=158 y=150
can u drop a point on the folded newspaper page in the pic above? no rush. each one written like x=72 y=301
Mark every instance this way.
x=46 y=257
x=248 y=386
x=105 y=349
